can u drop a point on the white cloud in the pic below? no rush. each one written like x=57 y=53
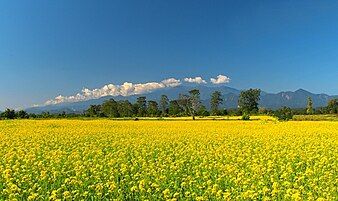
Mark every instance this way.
x=126 y=89
x=220 y=79
x=197 y=80
x=171 y=82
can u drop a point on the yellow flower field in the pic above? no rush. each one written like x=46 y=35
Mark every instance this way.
x=175 y=160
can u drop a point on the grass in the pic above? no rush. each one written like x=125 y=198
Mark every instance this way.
x=315 y=118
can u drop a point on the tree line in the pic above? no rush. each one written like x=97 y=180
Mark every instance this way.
x=185 y=105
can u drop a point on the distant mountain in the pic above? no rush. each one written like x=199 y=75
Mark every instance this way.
x=296 y=99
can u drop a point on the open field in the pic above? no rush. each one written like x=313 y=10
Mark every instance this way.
x=196 y=160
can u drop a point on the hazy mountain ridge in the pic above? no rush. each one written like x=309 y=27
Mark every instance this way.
x=296 y=99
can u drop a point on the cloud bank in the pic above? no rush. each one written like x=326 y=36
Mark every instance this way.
x=128 y=89
x=220 y=79
x=197 y=80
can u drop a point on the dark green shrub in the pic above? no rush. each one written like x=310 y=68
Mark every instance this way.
x=245 y=117
x=284 y=114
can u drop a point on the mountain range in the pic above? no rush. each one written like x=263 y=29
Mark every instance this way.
x=292 y=99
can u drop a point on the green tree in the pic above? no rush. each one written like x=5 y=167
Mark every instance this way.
x=9 y=114
x=248 y=101
x=94 y=111
x=141 y=104
x=164 y=103
x=194 y=99
x=109 y=108
x=202 y=111
x=190 y=103
x=22 y=114
x=216 y=100
x=332 y=106
x=309 y=107
x=46 y=115
x=184 y=103
x=174 y=108
x=125 y=108
x=152 y=108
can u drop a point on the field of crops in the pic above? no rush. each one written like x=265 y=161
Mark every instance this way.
x=156 y=160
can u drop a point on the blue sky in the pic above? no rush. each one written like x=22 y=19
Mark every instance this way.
x=49 y=48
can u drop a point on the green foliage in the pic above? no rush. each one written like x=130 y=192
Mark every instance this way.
x=309 y=107
x=164 y=105
x=152 y=109
x=332 y=106
x=320 y=117
x=202 y=111
x=216 y=100
x=224 y=112
x=194 y=99
x=141 y=104
x=284 y=114
x=110 y=109
x=234 y=112
x=92 y=111
x=248 y=101
x=22 y=114
x=184 y=103
x=174 y=108
x=245 y=117
x=8 y=114
x=264 y=111
x=125 y=108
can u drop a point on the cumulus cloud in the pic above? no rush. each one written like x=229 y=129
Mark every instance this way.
x=171 y=82
x=220 y=79
x=126 y=89
x=197 y=80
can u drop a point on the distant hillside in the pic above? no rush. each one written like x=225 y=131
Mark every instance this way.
x=296 y=99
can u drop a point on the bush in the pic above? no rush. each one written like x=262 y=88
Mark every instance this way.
x=246 y=117
x=284 y=114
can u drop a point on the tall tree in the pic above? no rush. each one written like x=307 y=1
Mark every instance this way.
x=164 y=103
x=248 y=100
x=332 y=106
x=184 y=103
x=142 y=106
x=152 y=108
x=174 y=108
x=190 y=103
x=109 y=108
x=125 y=108
x=194 y=99
x=216 y=100
x=309 y=107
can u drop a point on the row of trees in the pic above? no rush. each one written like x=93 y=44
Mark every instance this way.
x=21 y=114
x=12 y=114
x=185 y=105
